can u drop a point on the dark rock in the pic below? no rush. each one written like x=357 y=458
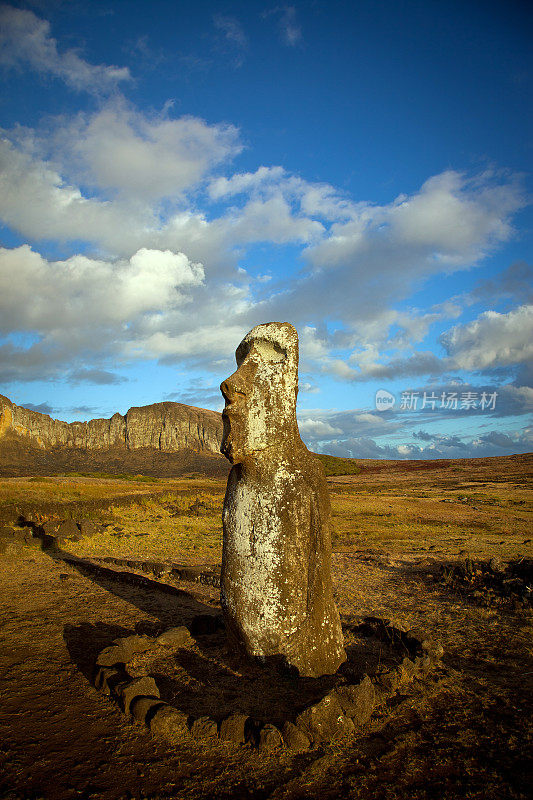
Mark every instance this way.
x=169 y=723
x=145 y=687
x=123 y=649
x=68 y=530
x=204 y=728
x=50 y=527
x=270 y=739
x=324 y=721
x=107 y=678
x=294 y=738
x=89 y=528
x=175 y=637
x=357 y=701
x=142 y=707
x=277 y=515
x=232 y=729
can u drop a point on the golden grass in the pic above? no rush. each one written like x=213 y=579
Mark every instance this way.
x=437 y=512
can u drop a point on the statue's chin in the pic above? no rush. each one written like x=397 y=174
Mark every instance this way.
x=227 y=449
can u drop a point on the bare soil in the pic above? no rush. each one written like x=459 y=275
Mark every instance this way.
x=465 y=733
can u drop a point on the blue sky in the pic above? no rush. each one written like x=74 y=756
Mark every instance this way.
x=172 y=174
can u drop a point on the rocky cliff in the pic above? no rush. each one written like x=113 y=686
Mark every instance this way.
x=167 y=427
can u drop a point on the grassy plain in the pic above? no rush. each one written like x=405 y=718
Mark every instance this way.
x=466 y=733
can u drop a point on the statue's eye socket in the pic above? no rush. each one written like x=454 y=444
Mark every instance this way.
x=269 y=351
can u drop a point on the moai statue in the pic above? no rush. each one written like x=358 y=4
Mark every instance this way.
x=276 y=589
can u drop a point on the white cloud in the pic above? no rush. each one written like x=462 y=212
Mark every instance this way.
x=453 y=216
x=245 y=182
x=450 y=222
x=36 y=201
x=317 y=428
x=154 y=184
x=25 y=39
x=148 y=158
x=81 y=302
x=492 y=340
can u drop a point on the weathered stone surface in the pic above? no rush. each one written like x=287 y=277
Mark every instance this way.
x=276 y=589
x=357 y=701
x=324 y=721
x=175 y=637
x=423 y=664
x=232 y=729
x=294 y=738
x=89 y=528
x=50 y=527
x=433 y=649
x=145 y=687
x=270 y=739
x=141 y=707
x=204 y=728
x=161 y=426
x=170 y=723
x=134 y=644
x=496 y=565
x=68 y=530
x=123 y=649
x=106 y=678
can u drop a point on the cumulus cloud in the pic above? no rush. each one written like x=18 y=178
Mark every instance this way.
x=36 y=294
x=318 y=428
x=492 y=340
x=147 y=158
x=356 y=442
x=451 y=221
x=37 y=202
x=156 y=194
x=25 y=40
x=82 y=307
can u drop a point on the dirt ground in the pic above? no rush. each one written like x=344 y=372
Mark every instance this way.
x=467 y=732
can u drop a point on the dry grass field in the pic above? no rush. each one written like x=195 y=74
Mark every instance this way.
x=466 y=732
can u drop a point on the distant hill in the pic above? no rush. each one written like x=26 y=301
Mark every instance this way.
x=159 y=439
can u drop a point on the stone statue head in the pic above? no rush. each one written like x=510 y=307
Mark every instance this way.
x=261 y=395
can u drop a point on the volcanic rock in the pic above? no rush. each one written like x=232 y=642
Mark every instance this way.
x=276 y=589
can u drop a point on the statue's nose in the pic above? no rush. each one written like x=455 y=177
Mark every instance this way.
x=233 y=386
x=227 y=391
